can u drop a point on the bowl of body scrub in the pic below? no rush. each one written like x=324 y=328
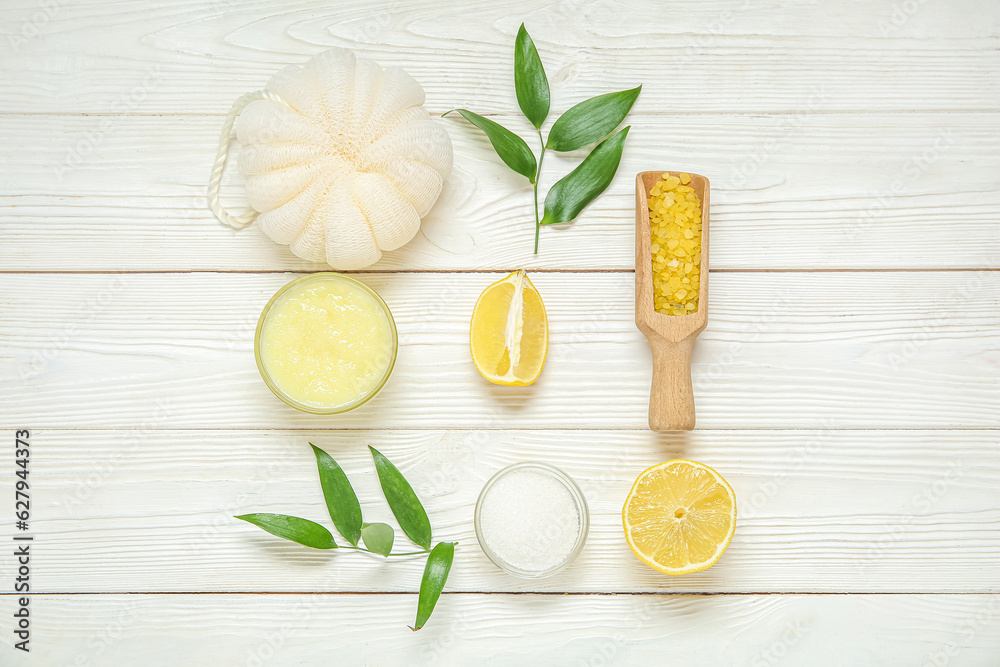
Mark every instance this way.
x=325 y=343
x=532 y=520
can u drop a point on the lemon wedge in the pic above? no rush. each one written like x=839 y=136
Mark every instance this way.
x=679 y=517
x=509 y=335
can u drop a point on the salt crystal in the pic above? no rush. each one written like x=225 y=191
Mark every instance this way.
x=530 y=520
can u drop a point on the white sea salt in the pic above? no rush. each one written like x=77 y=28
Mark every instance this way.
x=530 y=520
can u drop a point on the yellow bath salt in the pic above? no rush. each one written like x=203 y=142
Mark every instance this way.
x=675 y=242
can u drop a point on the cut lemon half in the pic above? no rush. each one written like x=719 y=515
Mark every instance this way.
x=679 y=517
x=509 y=335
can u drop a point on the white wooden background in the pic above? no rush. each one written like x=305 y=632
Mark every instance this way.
x=848 y=383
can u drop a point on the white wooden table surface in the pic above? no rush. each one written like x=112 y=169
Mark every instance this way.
x=848 y=383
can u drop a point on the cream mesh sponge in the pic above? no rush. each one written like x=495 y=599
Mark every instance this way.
x=341 y=160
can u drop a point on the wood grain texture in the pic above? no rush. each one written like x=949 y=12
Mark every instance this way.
x=111 y=193
x=143 y=510
x=853 y=409
x=253 y=630
x=671 y=338
x=782 y=350
x=197 y=57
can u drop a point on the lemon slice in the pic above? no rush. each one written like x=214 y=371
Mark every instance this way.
x=509 y=335
x=679 y=517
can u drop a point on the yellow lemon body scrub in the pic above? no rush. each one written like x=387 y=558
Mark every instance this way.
x=326 y=343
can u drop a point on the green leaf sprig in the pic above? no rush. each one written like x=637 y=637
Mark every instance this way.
x=377 y=538
x=588 y=122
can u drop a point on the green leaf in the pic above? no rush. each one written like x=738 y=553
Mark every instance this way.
x=511 y=148
x=530 y=84
x=341 y=501
x=591 y=120
x=575 y=190
x=403 y=501
x=305 y=532
x=378 y=537
x=435 y=575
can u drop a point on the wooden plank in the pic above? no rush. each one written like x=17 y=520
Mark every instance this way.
x=197 y=57
x=143 y=510
x=782 y=350
x=849 y=137
x=818 y=191
x=255 y=630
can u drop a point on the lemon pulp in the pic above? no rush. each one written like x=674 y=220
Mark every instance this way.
x=509 y=334
x=679 y=517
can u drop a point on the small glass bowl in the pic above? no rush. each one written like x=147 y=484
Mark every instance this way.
x=312 y=409
x=578 y=498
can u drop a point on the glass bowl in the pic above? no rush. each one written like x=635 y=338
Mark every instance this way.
x=577 y=499
x=306 y=407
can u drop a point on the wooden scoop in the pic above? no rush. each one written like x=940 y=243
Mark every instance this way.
x=671 y=399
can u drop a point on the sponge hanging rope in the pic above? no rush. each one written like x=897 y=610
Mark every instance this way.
x=340 y=157
x=246 y=216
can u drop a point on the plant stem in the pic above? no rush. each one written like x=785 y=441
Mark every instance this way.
x=405 y=553
x=538 y=175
